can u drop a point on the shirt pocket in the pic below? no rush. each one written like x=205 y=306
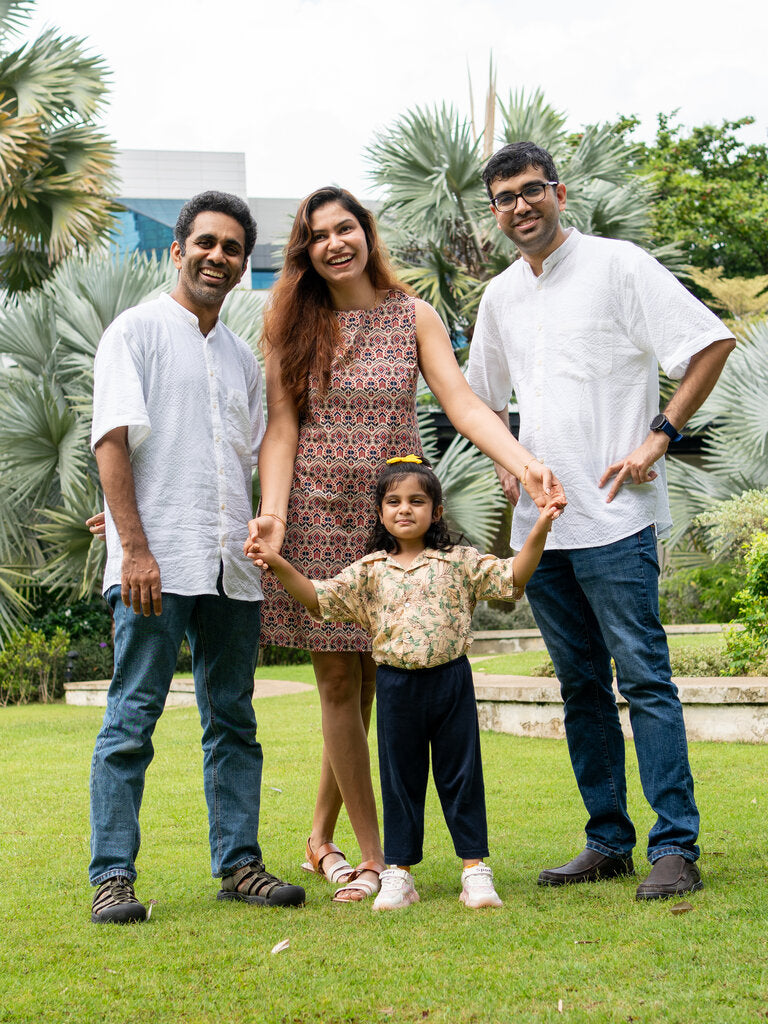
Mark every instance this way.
x=585 y=349
x=238 y=422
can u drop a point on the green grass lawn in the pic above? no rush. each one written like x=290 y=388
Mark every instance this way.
x=523 y=664
x=591 y=949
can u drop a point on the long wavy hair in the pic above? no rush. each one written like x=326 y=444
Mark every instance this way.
x=300 y=324
x=437 y=536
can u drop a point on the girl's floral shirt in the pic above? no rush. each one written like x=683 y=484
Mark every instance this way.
x=418 y=617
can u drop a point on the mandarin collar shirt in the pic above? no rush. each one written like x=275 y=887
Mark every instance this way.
x=192 y=405
x=579 y=346
x=419 y=616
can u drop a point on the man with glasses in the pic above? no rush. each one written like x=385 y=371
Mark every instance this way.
x=576 y=329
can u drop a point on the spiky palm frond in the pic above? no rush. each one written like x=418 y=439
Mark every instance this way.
x=41 y=441
x=242 y=312
x=77 y=565
x=429 y=165
x=53 y=77
x=474 y=501
x=56 y=169
x=442 y=283
x=14 y=17
x=529 y=118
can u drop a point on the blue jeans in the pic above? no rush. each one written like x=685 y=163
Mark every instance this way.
x=591 y=605
x=223 y=636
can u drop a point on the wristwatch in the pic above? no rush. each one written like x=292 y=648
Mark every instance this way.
x=660 y=423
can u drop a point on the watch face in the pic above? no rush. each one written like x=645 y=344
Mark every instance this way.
x=657 y=423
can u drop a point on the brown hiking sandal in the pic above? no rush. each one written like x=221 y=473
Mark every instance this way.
x=115 y=903
x=253 y=884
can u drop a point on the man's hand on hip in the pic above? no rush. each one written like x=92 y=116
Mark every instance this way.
x=635 y=468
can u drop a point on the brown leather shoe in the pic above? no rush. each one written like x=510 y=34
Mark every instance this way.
x=589 y=866
x=670 y=876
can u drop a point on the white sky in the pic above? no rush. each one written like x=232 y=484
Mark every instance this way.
x=302 y=85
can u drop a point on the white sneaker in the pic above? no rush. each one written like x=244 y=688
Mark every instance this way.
x=477 y=887
x=397 y=890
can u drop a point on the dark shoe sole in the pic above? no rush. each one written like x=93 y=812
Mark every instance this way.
x=595 y=875
x=293 y=898
x=667 y=895
x=128 y=913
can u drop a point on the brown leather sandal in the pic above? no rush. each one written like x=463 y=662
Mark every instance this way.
x=338 y=873
x=357 y=889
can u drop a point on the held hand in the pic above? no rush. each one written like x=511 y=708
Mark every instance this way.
x=140 y=586
x=636 y=467
x=97 y=525
x=544 y=487
x=261 y=553
x=269 y=529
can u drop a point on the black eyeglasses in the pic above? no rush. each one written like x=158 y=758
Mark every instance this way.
x=532 y=193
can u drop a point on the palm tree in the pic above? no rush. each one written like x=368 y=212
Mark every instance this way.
x=56 y=167
x=428 y=165
x=735 y=457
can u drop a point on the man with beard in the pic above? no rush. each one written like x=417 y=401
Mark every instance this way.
x=177 y=424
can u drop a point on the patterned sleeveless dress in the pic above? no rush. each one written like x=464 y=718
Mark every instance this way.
x=367 y=416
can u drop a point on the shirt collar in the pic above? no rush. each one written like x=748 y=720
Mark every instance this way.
x=185 y=314
x=561 y=252
x=426 y=555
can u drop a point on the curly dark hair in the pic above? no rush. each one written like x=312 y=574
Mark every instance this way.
x=437 y=536
x=513 y=159
x=216 y=202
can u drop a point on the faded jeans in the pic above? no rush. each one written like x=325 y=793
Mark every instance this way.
x=223 y=636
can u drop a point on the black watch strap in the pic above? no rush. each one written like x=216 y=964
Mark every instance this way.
x=660 y=423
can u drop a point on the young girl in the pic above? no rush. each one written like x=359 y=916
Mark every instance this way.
x=415 y=592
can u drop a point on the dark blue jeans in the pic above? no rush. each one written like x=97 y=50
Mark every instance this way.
x=591 y=605
x=417 y=710
x=223 y=636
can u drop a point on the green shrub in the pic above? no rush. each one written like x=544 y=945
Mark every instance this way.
x=87 y=618
x=692 y=660
x=503 y=615
x=703 y=594
x=748 y=648
x=32 y=666
x=272 y=655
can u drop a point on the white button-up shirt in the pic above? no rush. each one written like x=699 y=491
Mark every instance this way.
x=580 y=347
x=192 y=406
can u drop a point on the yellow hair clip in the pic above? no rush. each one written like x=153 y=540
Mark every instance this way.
x=404 y=458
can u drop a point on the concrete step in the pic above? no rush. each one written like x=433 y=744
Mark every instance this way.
x=512 y=641
x=93 y=693
x=733 y=708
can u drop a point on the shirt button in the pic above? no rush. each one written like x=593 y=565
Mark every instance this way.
x=223 y=507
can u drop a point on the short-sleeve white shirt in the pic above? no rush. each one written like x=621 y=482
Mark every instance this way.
x=192 y=406
x=580 y=347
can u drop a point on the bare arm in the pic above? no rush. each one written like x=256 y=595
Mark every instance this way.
x=140 y=573
x=470 y=416
x=264 y=556
x=699 y=379
x=529 y=556
x=276 y=458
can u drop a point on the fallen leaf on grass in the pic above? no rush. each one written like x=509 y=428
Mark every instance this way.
x=584 y=942
x=681 y=908
x=281 y=946
x=559 y=1005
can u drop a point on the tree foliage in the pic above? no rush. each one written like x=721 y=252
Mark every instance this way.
x=711 y=194
x=56 y=168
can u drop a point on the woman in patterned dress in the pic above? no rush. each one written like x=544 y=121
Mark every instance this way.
x=343 y=345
